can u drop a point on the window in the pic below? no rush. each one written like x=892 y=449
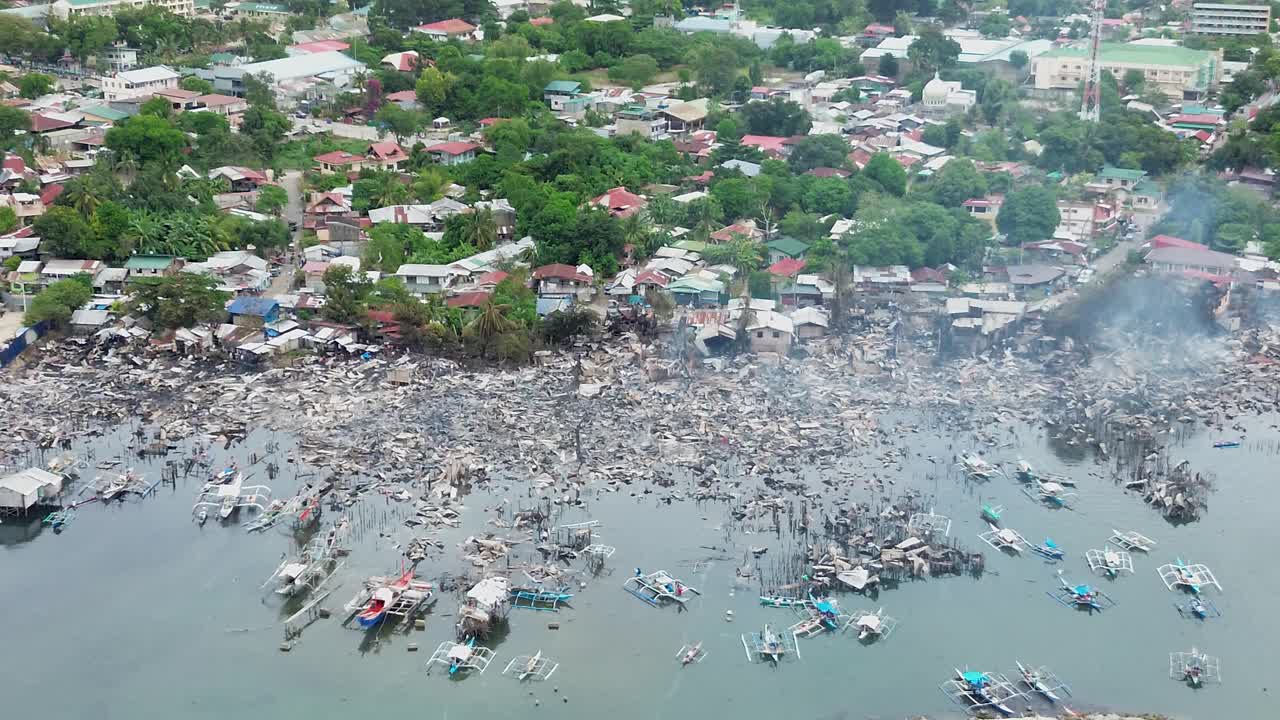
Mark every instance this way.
x=760 y=333
x=775 y=335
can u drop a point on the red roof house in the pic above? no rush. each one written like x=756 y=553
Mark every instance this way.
x=453 y=153
x=786 y=267
x=381 y=156
x=468 y=300
x=446 y=29
x=1164 y=241
x=620 y=202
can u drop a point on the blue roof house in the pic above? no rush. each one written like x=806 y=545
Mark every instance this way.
x=250 y=311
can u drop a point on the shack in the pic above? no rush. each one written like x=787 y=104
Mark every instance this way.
x=250 y=311
x=29 y=489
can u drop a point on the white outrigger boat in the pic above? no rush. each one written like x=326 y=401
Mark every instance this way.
x=1004 y=539
x=874 y=626
x=690 y=654
x=1044 y=682
x=535 y=667
x=977 y=468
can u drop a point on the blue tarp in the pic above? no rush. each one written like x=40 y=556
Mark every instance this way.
x=255 y=306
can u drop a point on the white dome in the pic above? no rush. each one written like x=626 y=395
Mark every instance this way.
x=935 y=89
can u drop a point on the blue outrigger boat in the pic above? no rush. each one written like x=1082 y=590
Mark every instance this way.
x=1081 y=597
x=1049 y=550
x=1227 y=444
x=538 y=599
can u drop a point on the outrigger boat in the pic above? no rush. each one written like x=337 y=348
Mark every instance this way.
x=1194 y=668
x=375 y=610
x=977 y=690
x=538 y=599
x=1004 y=539
x=768 y=645
x=1109 y=561
x=690 y=654
x=463 y=656
x=1042 y=681
x=1188 y=577
x=1049 y=550
x=977 y=468
x=874 y=625
x=1198 y=607
x=525 y=667
x=1080 y=597
x=1227 y=444
x=991 y=513
x=1132 y=540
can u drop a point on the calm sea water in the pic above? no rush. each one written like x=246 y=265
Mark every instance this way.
x=135 y=612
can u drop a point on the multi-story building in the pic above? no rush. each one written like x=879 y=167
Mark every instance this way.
x=640 y=120
x=137 y=83
x=1180 y=73
x=1223 y=19
x=72 y=8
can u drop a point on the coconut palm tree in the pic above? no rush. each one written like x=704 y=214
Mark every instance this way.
x=479 y=229
x=491 y=323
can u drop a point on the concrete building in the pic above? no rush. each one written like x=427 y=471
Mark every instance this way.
x=79 y=8
x=1223 y=19
x=1180 y=73
x=422 y=280
x=941 y=98
x=642 y=121
x=136 y=83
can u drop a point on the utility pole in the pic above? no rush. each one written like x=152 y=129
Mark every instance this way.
x=1090 y=104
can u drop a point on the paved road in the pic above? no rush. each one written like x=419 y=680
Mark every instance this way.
x=292 y=184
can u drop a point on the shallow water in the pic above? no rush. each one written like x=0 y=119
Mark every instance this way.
x=136 y=612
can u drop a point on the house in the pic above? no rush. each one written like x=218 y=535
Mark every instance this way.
x=810 y=322
x=767 y=144
x=620 y=202
x=317 y=46
x=1120 y=178
x=313 y=275
x=985 y=209
x=423 y=280
x=1146 y=196
x=786 y=247
x=241 y=179
x=786 y=268
x=699 y=289
x=179 y=100
x=406 y=99
x=118 y=57
x=378 y=156
x=746 y=229
x=26 y=206
x=313 y=78
x=1181 y=73
x=451 y=29
x=560 y=279
x=330 y=203
x=452 y=153
x=640 y=120
x=770 y=332
x=749 y=169
x=21 y=491
x=66 y=9
x=55 y=270
x=228 y=106
x=1185 y=259
x=487 y=282
x=144 y=266
x=21 y=242
x=110 y=281
x=252 y=311
x=406 y=61
x=1026 y=278
x=469 y=301
x=88 y=320
x=430 y=217
x=559 y=93
x=1164 y=241
x=136 y=83
x=686 y=117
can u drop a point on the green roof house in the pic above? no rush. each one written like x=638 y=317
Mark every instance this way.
x=1122 y=178
x=786 y=247
x=558 y=93
x=145 y=266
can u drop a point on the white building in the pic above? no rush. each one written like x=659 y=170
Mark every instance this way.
x=1180 y=73
x=135 y=83
x=1222 y=19
x=425 y=279
x=946 y=97
x=69 y=8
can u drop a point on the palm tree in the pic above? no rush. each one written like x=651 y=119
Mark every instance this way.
x=479 y=229
x=491 y=323
x=126 y=166
x=390 y=191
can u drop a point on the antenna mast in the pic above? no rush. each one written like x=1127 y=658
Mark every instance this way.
x=1090 y=104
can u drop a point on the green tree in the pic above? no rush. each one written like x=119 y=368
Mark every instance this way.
x=816 y=151
x=402 y=123
x=1028 y=214
x=182 y=300
x=716 y=66
x=635 y=70
x=56 y=303
x=343 y=295
x=737 y=196
x=888 y=66
x=1019 y=59
x=150 y=140
x=957 y=181
x=995 y=25
x=776 y=116
x=8 y=219
x=828 y=195
x=932 y=51
x=63 y=232
x=34 y=85
x=272 y=199
x=195 y=84
x=12 y=122
x=389 y=244
x=887 y=173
